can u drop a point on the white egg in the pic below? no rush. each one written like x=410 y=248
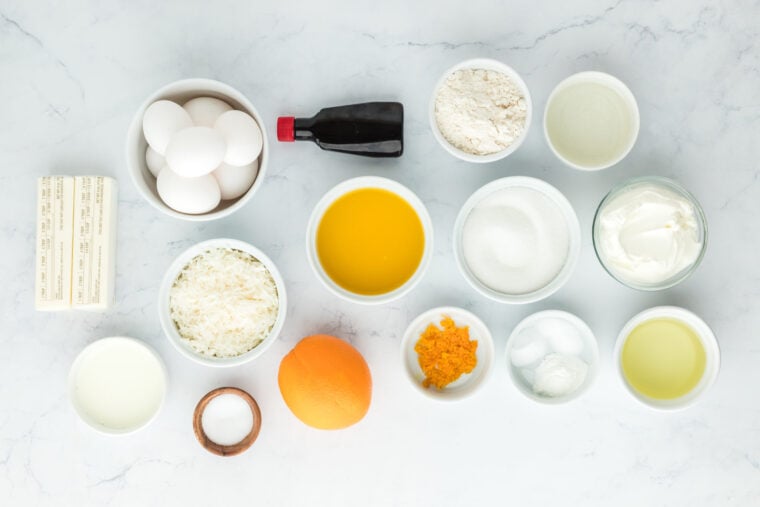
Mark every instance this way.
x=205 y=110
x=195 y=151
x=161 y=121
x=243 y=136
x=155 y=161
x=234 y=181
x=188 y=195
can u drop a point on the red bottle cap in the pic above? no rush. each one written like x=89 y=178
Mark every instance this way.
x=286 y=132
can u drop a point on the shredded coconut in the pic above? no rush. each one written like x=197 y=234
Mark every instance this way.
x=224 y=302
x=480 y=111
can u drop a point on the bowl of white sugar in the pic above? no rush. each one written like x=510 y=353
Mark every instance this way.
x=480 y=110
x=517 y=240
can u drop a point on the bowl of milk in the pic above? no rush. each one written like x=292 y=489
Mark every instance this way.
x=117 y=385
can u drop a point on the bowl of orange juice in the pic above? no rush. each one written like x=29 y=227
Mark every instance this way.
x=369 y=240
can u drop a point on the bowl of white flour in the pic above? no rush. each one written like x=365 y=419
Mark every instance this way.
x=480 y=110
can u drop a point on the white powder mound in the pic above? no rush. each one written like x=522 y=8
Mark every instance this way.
x=516 y=240
x=559 y=375
x=480 y=111
x=224 y=303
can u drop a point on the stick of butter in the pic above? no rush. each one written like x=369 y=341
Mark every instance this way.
x=55 y=219
x=94 y=252
x=76 y=242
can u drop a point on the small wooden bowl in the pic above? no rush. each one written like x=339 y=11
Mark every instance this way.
x=226 y=450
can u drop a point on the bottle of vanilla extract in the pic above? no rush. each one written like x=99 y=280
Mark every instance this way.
x=371 y=129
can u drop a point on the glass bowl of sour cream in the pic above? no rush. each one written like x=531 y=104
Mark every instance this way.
x=650 y=233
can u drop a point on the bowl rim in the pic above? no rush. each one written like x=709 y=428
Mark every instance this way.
x=178 y=264
x=77 y=364
x=706 y=336
x=137 y=168
x=358 y=183
x=431 y=316
x=574 y=233
x=488 y=64
x=590 y=341
x=613 y=82
x=668 y=184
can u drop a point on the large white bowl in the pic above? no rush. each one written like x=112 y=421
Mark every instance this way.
x=573 y=227
x=466 y=384
x=590 y=355
x=706 y=336
x=349 y=186
x=170 y=330
x=181 y=92
x=487 y=64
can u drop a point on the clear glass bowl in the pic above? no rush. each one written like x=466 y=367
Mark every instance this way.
x=674 y=187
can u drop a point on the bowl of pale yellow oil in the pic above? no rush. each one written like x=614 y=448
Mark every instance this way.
x=591 y=121
x=667 y=357
x=369 y=240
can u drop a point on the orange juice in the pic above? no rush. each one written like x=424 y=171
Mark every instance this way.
x=370 y=241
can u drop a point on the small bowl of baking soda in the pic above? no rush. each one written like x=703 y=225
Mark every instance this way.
x=480 y=110
x=552 y=356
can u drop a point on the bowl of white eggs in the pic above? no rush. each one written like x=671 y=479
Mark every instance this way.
x=197 y=149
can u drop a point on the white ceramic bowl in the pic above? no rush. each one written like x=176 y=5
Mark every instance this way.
x=610 y=82
x=706 y=335
x=170 y=330
x=349 y=186
x=82 y=411
x=181 y=92
x=590 y=355
x=467 y=383
x=487 y=64
x=573 y=227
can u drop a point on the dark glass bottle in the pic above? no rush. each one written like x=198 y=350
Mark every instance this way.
x=372 y=129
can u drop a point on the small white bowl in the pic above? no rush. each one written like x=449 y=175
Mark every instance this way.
x=170 y=330
x=181 y=92
x=467 y=383
x=348 y=186
x=76 y=366
x=607 y=81
x=706 y=335
x=487 y=64
x=590 y=355
x=573 y=227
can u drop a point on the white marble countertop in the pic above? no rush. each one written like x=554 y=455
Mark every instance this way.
x=74 y=72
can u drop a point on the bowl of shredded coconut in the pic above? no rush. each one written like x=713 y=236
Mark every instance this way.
x=480 y=110
x=222 y=302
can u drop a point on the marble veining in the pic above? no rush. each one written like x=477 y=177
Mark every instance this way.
x=73 y=73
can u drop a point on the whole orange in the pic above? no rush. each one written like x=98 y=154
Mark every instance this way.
x=325 y=382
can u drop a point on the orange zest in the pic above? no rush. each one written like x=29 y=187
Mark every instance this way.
x=445 y=354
